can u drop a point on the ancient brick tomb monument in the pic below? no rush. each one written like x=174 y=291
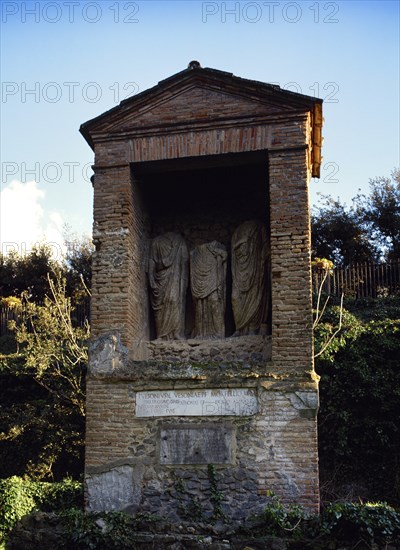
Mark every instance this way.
x=201 y=375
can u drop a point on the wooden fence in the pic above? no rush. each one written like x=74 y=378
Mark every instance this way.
x=362 y=280
x=80 y=315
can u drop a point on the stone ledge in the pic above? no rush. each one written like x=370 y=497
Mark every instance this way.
x=175 y=376
x=255 y=349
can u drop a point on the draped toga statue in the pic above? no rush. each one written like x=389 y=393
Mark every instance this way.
x=250 y=259
x=208 y=285
x=168 y=278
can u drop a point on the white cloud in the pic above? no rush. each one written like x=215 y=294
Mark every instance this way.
x=24 y=220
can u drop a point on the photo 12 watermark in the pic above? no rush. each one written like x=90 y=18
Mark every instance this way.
x=70 y=12
x=270 y=12
x=329 y=171
x=69 y=92
x=74 y=172
x=48 y=172
x=327 y=91
x=24 y=249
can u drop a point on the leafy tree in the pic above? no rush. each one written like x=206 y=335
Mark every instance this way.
x=338 y=234
x=368 y=230
x=380 y=213
x=78 y=265
x=27 y=273
x=52 y=347
x=42 y=390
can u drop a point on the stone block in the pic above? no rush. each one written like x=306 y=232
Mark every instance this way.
x=197 y=444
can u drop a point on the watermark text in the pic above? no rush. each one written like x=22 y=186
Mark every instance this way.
x=49 y=172
x=71 y=12
x=70 y=92
x=270 y=12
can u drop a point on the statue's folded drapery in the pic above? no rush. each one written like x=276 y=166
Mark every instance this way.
x=168 y=278
x=250 y=259
x=208 y=285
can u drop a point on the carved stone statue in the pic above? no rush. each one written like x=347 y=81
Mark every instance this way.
x=250 y=258
x=168 y=278
x=208 y=285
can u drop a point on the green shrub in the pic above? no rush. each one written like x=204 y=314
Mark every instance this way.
x=345 y=524
x=16 y=500
x=8 y=344
x=84 y=531
x=19 y=497
x=111 y=531
x=375 y=524
x=340 y=525
x=59 y=496
x=359 y=417
x=41 y=435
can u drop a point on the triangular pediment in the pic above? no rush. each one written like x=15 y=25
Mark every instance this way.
x=198 y=103
x=195 y=97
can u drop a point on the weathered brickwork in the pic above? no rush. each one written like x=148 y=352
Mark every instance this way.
x=113 y=238
x=270 y=453
x=199 y=154
x=289 y=132
x=292 y=342
x=119 y=265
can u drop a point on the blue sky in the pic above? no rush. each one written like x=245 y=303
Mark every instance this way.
x=65 y=62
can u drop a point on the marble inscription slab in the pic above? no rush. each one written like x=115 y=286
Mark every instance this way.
x=202 y=402
x=113 y=490
x=201 y=444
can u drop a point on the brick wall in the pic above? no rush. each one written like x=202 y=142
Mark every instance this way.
x=113 y=238
x=275 y=449
x=292 y=342
x=119 y=302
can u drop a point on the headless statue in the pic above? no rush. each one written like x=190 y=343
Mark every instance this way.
x=168 y=278
x=208 y=285
x=250 y=258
